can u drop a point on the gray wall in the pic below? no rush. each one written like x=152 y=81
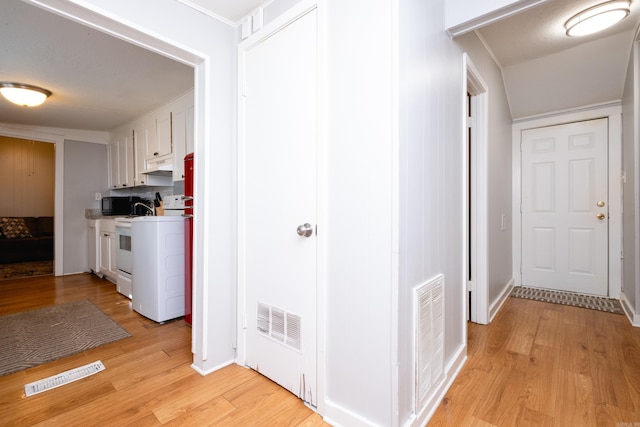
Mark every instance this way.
x=629 y=159
x=85 y=173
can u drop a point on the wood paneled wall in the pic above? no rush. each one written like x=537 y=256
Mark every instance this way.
x=27 y=176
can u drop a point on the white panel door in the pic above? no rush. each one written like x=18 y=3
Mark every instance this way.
x=565 y=207
x=277 y=194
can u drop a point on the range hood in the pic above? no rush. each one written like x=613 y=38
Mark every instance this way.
x=160 y=167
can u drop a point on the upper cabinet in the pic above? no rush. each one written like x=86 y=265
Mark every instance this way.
x=121 y=159
x=182 y=133
x=151 y=150
x=161 y=146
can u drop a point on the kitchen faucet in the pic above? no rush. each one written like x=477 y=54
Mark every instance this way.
x=145 y=205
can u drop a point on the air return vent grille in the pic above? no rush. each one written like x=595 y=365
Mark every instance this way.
x=279 y=325
x=429 y=338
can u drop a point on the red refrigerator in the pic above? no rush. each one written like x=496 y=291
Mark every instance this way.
x=188 y=236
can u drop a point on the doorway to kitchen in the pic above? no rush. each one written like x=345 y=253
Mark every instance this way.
x=182 y=49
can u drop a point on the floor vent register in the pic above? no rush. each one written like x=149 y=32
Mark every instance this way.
x=63 y=378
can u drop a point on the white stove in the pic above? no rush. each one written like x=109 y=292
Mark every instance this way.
x=124 y=258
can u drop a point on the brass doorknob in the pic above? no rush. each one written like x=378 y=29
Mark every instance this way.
x=600 y=204
x=600 y=216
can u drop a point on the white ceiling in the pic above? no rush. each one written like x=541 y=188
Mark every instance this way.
x=100 y=82
x=544 y=70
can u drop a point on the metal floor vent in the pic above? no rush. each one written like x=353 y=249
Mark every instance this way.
x=279 y=325
x=63 y=378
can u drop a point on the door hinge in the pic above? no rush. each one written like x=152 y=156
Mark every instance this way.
x=469 y=286
x=244 y=89
x=469 y=122
x=244 y=320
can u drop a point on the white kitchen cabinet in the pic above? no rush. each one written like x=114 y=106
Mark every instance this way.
x=113 y=165
x=108 y=249
x=161 y=146
x=143 y=131
x=156 y=144
x=140 y=138
x=93 y=237
x=121 y=160
x=182 y=132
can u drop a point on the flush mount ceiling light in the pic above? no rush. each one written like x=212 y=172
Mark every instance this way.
x=597 y=18
x=24 y=94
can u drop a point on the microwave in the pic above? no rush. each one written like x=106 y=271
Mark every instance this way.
x=119 y=205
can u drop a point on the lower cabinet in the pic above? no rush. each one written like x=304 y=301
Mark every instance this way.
x=94 y=245
x=108 y=249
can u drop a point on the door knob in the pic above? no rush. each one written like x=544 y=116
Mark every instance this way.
x=600 y=204
x=305 y=230
x=600 y=216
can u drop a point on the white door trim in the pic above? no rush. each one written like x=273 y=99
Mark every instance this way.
x=612 y=111
x=478 y=89
x=292 y=14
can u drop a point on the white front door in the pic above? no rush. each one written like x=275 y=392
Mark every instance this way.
x=277 y=197
x=565 y=207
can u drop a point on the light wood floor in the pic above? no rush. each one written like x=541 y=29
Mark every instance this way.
x=541 y=364
x=148 y=380
x=537 y=364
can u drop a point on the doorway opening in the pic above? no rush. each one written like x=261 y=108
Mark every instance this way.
x=475 y=197
x=27 y=168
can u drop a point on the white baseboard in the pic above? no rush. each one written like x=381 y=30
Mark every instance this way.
x=629 y=311
x=452 y=370
x=502 y=298
x=209 y=371
x=339 y=416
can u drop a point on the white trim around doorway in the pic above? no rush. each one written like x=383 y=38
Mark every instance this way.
x=477 y=216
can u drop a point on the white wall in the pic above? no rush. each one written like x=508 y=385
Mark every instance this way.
x=431 y=176
x=360 y=271
x=85 y=173
x=631 y=202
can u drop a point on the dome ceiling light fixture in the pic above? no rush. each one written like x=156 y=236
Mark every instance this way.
x=597 y=18
x=24 y=94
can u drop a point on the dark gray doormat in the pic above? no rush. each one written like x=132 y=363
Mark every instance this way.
x=568 y=298
x=34 y=337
